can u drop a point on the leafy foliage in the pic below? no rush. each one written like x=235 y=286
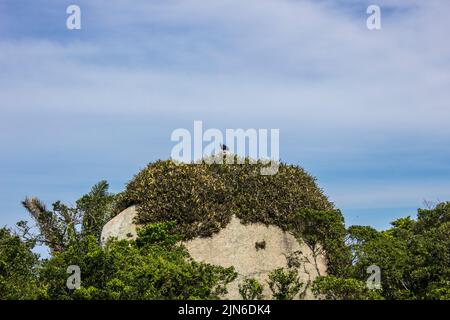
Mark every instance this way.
x=251 y=289
x=284 y=283
x=323 y=231
x=413 y=256
x=18 y=268
x=439 y=290
x=179 y=202
x=202 y=197
x=152 y=267
x=63 y=226
x=96 y=209
x=187 y=194
x=334 y=288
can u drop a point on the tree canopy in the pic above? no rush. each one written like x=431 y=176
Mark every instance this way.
x=413 y=256
x=179 y=202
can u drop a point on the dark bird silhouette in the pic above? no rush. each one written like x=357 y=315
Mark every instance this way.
x=224 y=147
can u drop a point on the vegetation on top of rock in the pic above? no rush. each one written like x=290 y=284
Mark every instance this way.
x=413 y=255
x=202 y=197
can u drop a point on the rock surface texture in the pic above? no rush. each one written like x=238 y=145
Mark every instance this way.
x=121 y=226
x=253 y=249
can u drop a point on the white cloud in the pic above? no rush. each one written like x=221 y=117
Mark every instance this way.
x=310 y=67
x=306 y=60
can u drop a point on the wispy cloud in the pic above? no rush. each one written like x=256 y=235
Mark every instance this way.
x=311 y=68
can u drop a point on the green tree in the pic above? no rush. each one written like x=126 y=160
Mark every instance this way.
x=155 y=266
x=251 y=289
x=334 y=288
x=413 y=255
x=62 y=226
x=95 y=209
x=18 y=268
x=391 y=255
x=284 y=283
x=439 y=290
x=323 y=231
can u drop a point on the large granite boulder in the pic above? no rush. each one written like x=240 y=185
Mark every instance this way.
x=121 y=226
x=253 y=249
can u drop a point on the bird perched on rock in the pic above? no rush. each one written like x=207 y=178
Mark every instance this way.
x=223 y=147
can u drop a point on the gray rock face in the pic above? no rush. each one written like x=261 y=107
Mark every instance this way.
x=121 y=226
x=253 y=249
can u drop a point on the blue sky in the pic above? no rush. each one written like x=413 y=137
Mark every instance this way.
x=366 y=112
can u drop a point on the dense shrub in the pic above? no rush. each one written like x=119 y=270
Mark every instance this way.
x=18 y=268
x=202 y=197
x=334 y=288
x=284 y=284
x=413 y=257
x=251 y=289
x=323 y=231
x=155 y=266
